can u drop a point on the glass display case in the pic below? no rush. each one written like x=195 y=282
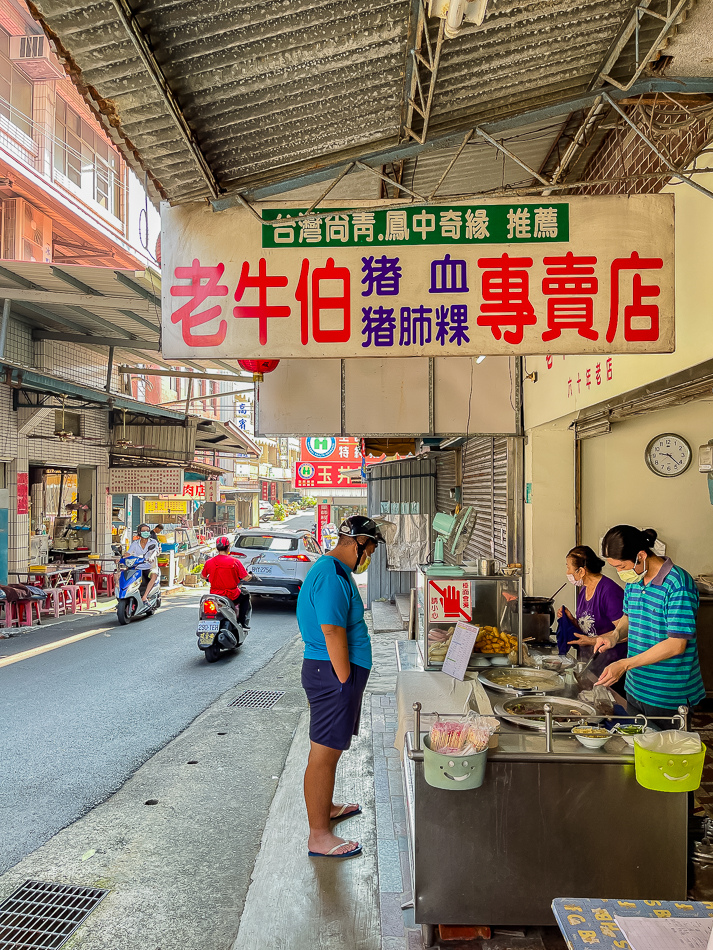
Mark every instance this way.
x=492 y=603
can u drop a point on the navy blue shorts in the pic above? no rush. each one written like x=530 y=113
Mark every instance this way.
x=334 y=707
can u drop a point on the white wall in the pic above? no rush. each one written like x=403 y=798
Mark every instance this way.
x=550 y=514
x=618 y=488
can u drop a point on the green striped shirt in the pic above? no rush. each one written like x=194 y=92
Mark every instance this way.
x=665 y=607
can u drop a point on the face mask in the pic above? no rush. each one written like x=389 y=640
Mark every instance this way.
x=144 y=534
x=360 y=568
x=573 y=580
x=630 y=576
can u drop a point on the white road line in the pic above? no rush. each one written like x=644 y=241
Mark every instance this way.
x=9 y=660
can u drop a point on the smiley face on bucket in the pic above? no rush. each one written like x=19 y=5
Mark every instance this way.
x=673 y=770
x=462 y=770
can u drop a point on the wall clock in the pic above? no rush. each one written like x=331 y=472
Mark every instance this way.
x=668 y=455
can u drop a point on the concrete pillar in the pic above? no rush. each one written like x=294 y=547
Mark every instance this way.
x=18 y=524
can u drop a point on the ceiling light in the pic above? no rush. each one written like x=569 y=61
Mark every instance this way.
x=456 y=11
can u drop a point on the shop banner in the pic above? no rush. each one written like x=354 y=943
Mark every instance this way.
x=146 y=481
x=574 y=275
x=329 y=461
x=23 y=504
x=324 y=515
x=168 y=506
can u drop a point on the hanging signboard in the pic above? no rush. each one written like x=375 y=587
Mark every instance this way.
x=146 y=481
x=328 y=462
x=574 y=275
x=449 y=599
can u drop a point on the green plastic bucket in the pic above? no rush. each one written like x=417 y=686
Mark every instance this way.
x=455 y=772
x=668 y=772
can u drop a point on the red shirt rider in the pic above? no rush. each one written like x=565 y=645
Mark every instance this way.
x=224 y=573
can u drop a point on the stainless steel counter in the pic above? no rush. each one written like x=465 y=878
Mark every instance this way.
x=544 y=824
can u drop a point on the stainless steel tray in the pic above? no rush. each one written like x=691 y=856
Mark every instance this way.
x=521 y=679
x=560 y=706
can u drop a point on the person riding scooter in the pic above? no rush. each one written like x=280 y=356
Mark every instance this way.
x=225 y=574
x=148 y=549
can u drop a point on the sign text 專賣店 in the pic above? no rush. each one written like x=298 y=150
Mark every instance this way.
x=575 y=275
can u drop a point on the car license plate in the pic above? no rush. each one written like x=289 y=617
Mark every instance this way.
x=207 y=631
x=260 y=570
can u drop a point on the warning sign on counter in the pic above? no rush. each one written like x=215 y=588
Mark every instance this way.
x=449 y=600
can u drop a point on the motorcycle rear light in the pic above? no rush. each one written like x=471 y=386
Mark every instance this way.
x=294 y=557
x=210 y=608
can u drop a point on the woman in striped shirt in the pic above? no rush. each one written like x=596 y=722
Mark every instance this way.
x=659 y=623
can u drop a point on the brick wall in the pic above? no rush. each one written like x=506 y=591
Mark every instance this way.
x=680 y=131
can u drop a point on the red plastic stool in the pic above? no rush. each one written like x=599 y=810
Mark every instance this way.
x=25 y=612
x=55 y=603
x=74 y=597
x=90 y=593
x=106 y=584
x=9 y=613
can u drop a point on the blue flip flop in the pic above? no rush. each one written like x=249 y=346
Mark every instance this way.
x=342 y=815
x=331 y=854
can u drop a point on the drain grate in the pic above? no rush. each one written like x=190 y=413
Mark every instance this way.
x=256 y=699
x=42 y=916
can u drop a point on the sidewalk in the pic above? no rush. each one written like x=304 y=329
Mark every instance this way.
x=299 y=903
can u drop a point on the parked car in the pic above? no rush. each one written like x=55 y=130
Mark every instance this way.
x=278 y=560
x=267 y=511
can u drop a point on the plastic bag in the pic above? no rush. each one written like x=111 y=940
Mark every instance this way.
x=462 y=736
x=670 y=742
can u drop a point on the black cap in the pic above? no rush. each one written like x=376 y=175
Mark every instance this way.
x=359 y=526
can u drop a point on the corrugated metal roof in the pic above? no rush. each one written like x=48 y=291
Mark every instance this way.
x=277 y=85
x=76 y=304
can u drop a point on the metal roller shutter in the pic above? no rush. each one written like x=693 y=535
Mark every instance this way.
x=486 y=488
x=445 y=482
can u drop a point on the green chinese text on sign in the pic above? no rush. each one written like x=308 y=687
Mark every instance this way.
x=535 y=223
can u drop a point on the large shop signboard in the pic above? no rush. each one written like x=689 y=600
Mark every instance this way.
x=574 y=275
x=329 y=462
x=146 y=481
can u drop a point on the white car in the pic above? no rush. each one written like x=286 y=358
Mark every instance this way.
x=267 y=511
x=279 y=560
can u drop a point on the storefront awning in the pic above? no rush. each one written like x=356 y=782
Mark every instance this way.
x=214 y=436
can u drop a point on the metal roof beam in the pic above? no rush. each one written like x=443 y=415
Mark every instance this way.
x=330 y=168
x=137 y=288
x=86 y=340
x=143 y=48
x=85 y=288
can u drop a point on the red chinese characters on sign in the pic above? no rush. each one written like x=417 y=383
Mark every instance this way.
x=506 y=301
x=328 y=475
x=262 y=312
x=264 y=491
x=449 y=600
x=340 y=303
x=23 y=506
x=649 y=313
x=569 y=286
x=199 y=292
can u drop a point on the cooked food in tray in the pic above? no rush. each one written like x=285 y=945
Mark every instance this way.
x=528 y=711
x=522 y=678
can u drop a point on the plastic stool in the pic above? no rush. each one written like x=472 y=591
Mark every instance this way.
x=9 y=613
x=74 y=597
x=55 y=603
x=88 y=576
x=25 y=611
x=90 y=593
x=106 y=584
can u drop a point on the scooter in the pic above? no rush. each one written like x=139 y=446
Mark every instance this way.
x=130 y=604
x=219 y=629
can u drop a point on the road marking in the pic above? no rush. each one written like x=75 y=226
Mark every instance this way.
x=9 y=660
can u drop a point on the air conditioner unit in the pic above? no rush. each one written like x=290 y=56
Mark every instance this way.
x=34 y=57
x=26 y=232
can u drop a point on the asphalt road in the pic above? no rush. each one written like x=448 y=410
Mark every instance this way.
x=77 y=721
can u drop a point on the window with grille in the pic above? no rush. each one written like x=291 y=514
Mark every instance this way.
x=84 y=157
x=15 y=90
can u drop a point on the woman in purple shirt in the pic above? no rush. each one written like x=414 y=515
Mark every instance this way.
x=600 y=603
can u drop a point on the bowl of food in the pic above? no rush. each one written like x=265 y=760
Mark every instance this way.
x=499 y=659
x=592 y=737
x=479 y=661
x=630 y=730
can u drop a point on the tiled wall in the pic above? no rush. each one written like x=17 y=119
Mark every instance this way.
x=18 y=346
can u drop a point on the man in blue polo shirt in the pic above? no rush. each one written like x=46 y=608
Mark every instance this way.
x=659 y=622
x=337 y=661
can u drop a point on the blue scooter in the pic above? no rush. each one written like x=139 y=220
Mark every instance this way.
x=130 y=604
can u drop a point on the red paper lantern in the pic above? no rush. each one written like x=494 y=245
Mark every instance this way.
x=258 y=367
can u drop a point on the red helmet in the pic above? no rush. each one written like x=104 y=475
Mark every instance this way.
x=222 y=543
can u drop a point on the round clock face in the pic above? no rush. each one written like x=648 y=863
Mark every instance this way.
x=668 y=455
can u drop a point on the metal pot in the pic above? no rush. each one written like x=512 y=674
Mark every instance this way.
x=487 y=566
x=538 y=615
